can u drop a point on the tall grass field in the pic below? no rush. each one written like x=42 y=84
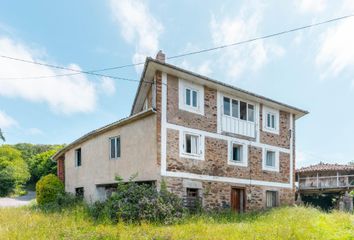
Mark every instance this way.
x=280 y=223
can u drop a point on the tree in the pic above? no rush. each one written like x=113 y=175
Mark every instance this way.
x=13 y=170
x=41 y=164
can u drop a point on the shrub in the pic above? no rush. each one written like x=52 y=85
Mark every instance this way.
x=134 y=203
x=48 y=188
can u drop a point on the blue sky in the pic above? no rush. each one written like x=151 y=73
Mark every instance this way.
x=311 y=69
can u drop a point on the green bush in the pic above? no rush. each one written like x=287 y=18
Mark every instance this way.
x=134 y=203
x=48 y=188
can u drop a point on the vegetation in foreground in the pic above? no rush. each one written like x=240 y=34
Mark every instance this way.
x=281 y=223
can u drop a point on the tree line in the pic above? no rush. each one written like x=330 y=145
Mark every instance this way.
x=23 y=164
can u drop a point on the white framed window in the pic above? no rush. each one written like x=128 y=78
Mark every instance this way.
x=114 y=147
x=271 y=199
x=238 y=109
x=191 y=97
x=191 y=145
x=270 y=160
x=270 y=120
x=238 y=154
x=78 y=159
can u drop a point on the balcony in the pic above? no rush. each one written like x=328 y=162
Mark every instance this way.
x=326 y=182
x=237 y=126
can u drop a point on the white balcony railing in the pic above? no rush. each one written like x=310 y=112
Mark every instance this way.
x=238 y=126
x=325 y=182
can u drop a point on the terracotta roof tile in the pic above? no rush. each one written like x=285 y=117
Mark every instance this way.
x=321 y=167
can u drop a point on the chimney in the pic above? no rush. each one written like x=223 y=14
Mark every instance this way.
x=160 y=56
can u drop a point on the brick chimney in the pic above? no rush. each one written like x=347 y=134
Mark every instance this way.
x=160 y=56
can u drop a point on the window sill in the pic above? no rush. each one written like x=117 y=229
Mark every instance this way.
x=271 y=169
x=271 y=130
x=240 y=164
x=192 y=156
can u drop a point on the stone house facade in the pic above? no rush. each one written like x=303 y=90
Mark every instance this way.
x=228 y=147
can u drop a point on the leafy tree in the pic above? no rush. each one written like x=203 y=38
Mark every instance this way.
x=13 y=170
x=41 y=164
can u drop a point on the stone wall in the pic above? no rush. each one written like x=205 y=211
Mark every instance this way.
x=281 y=140
x=208 y=122
x=215 y=161
x=217 y=195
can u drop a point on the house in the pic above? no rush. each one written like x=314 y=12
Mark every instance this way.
x=320 y=184
x=205 y=139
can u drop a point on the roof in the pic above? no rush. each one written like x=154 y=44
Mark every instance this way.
x=323 y=167
x=153 y=63
x=106 y=128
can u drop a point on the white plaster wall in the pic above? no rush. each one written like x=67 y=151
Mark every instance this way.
x=138 y=155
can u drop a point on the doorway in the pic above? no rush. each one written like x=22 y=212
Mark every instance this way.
x=238 y=202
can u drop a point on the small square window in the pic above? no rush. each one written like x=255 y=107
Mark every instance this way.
x=79 y=192
x=271 y=121
x=271 y=199
x=114 y=147
x=191 y=98
x=78 y=157
x=270 y=159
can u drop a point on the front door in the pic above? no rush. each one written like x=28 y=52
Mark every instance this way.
x=237 y=200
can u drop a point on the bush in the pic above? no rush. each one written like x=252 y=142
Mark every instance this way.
x=134 y=203
x=48 y=188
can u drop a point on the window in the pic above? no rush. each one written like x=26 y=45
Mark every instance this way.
x=191 y=145
x=250 y=113
x=78 y=157
x=238 y=154
x=270 y=159
x=79 y=192
x=191 y=97
x=270 y=120
x=192 y=192
x=271 y=199
x=115 y=147
x=227 y=106
x=243 y=110
x=238 y=109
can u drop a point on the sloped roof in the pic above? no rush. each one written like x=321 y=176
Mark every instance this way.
x=152 y=64
x=322 y=167
x=103 y=129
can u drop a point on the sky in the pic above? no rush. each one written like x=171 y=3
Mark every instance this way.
x=310 y=69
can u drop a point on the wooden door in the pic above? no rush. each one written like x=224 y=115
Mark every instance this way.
x=238 y=200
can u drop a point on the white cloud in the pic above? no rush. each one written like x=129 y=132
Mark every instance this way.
x=138 y=27
x=336 y=52
x=204 y=68
x=67 y=94
x=311 y=6
x=6 y=121
x=107 y=86
x=226 y=29
x=34 y=131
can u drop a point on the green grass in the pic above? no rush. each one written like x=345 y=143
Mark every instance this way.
x=281 y=223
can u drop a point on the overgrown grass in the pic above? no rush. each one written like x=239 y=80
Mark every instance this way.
x=281 y=223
